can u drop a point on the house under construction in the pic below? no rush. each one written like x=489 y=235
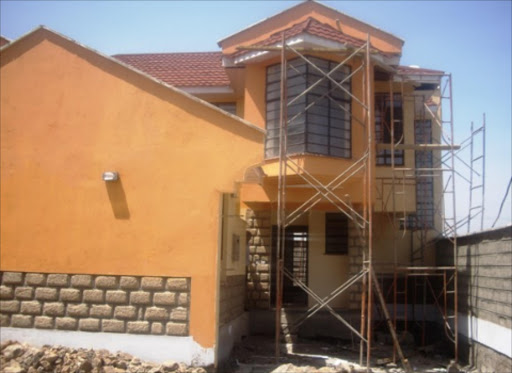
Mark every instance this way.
x=298 y=182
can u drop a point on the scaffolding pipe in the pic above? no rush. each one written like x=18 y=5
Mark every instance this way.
x=484 y=125
x=370 y=200
x=281 y=202
x=455 y=259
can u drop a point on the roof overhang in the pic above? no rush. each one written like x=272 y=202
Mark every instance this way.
x=419 y=77
x=200 y=90
x=307 y=5
x=303 y=40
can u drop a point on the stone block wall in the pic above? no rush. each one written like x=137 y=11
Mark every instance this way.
x=484 y=262
x=259 y=229
x=232 y=298
x=115 y=304
x=355 y=254
x=260 y=256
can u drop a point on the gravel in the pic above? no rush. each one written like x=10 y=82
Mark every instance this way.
x=18 y=357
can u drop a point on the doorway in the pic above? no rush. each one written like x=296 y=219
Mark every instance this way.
x=295 y=261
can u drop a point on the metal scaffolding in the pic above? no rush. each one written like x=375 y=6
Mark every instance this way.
x=324 y=191
x=428 y=146
x=363 y=220
x=433 y=134
x=431 y=163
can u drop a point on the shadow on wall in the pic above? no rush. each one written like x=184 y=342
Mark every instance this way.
x=117 y=198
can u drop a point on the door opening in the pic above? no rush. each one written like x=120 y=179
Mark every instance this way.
x=295 y=261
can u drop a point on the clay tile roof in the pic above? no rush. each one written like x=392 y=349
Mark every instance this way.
x=413 y=70
x=310 y=26
x=202 y=69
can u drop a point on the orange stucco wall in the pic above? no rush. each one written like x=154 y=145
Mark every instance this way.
x=255 y=94
x=68 y=115
x=322 y=167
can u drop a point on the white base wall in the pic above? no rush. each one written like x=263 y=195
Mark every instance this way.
x=492 y=335
x=147 y=347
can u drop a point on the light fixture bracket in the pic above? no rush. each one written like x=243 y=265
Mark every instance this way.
x=110 y=176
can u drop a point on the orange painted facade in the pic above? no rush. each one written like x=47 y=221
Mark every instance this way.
x=325 y=168
x=68 y=115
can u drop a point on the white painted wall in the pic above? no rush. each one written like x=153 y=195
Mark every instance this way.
x=495 y=336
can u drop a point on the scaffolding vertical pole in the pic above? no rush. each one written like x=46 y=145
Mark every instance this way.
x=393 y=202
x=364 y=288
x=445 y=296
x=369 y=200
x=394 y=307
x=392 y=119
x=281 y=202
x=455 y=275
x=363 y=318
x=406 y=305
x=483 y=174
x=471 y=147
x=423 y=309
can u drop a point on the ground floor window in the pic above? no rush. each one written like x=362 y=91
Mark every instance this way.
x=336 y=233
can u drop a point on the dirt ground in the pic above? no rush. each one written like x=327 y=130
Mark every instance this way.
x=257 y=355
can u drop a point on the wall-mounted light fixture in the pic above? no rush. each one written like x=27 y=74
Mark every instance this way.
x=110 y=176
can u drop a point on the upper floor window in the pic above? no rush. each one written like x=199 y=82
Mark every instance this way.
x=383 y=127
x=319 y=121
x=425 y=206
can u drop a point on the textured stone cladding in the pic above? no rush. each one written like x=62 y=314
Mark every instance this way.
x=355 y=254
x=232 y=298
x=114 y=304
x=258 y=272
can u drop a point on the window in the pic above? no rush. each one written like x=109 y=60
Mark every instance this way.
x=424 y=184
x=336 y=233
x=383 y=127
x=295 y=261
x=324 y=128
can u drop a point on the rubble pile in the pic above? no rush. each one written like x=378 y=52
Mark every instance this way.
x=22 y=358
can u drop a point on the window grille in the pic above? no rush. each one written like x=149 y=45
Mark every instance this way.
x=324 y=128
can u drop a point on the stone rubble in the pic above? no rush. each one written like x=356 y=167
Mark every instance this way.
x=18 y=357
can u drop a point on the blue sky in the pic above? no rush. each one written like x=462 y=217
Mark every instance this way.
x=470 y=39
